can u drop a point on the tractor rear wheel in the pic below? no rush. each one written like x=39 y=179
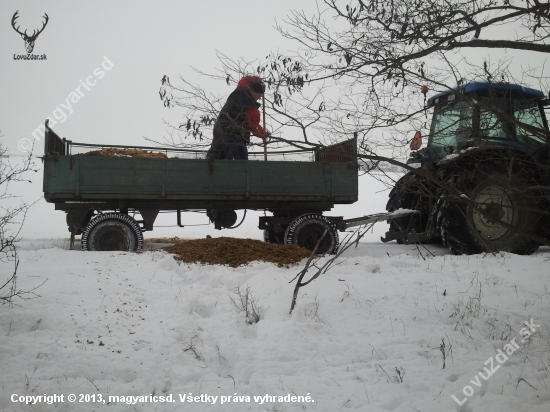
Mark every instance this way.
x=112 y=232
x=307 y=230
x=496 y=214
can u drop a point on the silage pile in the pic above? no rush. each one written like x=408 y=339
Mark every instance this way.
x=116 y=152
x=235 y=252
x=163 y=239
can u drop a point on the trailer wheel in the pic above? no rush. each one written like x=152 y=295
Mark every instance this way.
x=466 y=229
x=306 y=230
x=112 y=231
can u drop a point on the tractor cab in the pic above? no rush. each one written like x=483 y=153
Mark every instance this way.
x=484 y=115
x=490 y=146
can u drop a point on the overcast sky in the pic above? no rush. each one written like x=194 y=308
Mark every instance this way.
x=139 y=42
x=142 y=40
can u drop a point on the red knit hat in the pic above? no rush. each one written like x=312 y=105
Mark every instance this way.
x=252 y=82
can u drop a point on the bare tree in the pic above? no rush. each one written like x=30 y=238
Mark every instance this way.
x=11 y=222
x=291 y=108
x=382 y=54
x=365 y=68
x=368 y=68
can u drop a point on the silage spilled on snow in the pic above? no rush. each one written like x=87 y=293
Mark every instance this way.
x=236 y=252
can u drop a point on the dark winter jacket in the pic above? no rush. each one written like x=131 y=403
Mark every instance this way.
x=233 y=118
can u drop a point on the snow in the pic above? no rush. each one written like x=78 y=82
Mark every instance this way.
x=448 y=158
x=402 y=212
x=124 y=324
x=141 y=324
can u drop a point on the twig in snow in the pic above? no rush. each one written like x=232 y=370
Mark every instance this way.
x=439 y=394
x=399 y=375
x=247 y=303
x=380 y=366
x=521 y=379
x=346 y=244
x=92 y=382
x=234 y=385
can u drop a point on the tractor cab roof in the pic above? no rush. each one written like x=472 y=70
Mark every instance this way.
x=479 y=86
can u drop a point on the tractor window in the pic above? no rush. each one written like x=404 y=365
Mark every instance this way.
x=452 y=123
x=528 y=112
x=490 y=125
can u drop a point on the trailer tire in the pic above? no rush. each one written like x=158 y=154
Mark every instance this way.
x=306 y=230
x=112 y=232
x=465 y=230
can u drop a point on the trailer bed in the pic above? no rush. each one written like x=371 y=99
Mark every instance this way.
x=82 y=178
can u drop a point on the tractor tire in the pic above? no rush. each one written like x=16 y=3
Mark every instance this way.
x=404 y=195
x=307 y=230
x=465 y=229
x=112 y=232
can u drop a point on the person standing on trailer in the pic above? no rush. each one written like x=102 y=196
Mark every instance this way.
x=238 y=119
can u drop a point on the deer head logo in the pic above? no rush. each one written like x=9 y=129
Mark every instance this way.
x=29 y=40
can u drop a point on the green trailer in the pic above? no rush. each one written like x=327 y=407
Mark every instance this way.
x=111 y=201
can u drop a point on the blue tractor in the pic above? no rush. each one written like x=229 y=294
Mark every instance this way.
x=482 y=183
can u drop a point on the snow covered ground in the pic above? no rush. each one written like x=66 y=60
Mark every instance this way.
x=364 y=336
x=367 y=335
